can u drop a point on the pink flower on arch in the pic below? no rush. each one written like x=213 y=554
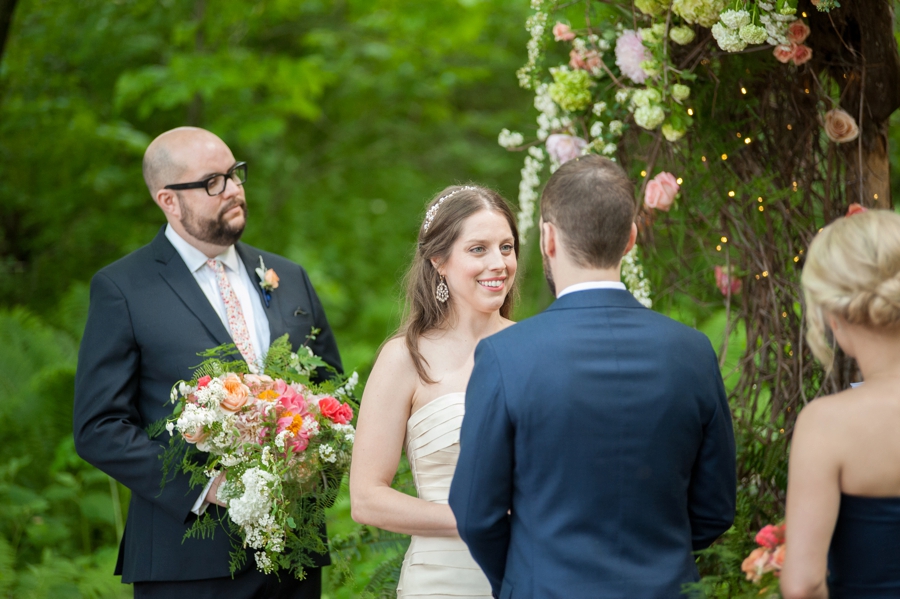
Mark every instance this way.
x=563 y=33
x=661 y=191
x=726 y=281
x=587 y=61
x=630 y=53
x=797 y=32
x=802 y=54
x=784 y=53
x=563 y=148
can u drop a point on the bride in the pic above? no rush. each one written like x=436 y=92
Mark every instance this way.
x=459 y=290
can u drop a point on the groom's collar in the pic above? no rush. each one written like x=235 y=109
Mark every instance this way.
x=194 y=258
x=606 y=297
x=591 y=285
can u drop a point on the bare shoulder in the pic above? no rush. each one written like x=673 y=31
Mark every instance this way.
x=394 y=366
x=825 y=417
x=506 y=323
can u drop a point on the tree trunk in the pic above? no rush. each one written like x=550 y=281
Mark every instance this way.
x=867 y=69
x=7 y=8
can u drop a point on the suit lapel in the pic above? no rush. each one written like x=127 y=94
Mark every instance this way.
x=274 y=313
x=175 y=272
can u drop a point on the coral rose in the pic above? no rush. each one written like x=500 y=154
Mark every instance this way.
x=237 y=393
x=855 y=208
x=840 y=127
x=661 y=191
x=194 y=437
x=203 y=381
x=797 y=32
x=783 y=53
x=802 y=54
x=770 y=536
x=563 y=148
x=563 y=33
x=335 y=411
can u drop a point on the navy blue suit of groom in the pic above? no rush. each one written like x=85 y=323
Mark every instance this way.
x=148 y=320
x=597 y=453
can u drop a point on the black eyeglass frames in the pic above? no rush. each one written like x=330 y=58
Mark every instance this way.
x=215 y=184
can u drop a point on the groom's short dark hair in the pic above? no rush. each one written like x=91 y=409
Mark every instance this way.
x=591 y=201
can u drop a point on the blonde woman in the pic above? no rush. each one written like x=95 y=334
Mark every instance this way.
x=460 y=289
x=843 y=502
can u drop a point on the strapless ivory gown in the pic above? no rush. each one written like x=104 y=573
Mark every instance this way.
x=438 y=567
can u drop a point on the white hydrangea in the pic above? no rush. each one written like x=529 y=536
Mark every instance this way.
x=622 y=95
x=510 y=139
x=753 y=34
x=649 y=117
x=599 y=108
x=597 y=129
x=616 y=127
x=680 y=92
x=728 y=39
x=671 y=133
x=735 y=19
x=645 y=97
x=608 y=150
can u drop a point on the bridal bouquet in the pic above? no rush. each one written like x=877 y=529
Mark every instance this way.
x=283 y=442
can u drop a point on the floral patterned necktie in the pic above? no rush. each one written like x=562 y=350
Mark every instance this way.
x=235 y=315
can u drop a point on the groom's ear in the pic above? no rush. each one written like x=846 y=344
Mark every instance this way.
x=549 y=240
x=632 y=238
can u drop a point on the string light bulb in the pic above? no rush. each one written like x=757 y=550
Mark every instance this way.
x=724 y=156
x=731 y=194
x=747 y=140
x=679 y=180
x=691 y=110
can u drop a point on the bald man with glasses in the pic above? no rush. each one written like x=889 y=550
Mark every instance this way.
x=192 y=288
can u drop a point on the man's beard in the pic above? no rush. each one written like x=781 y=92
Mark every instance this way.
x=548 y=273
x=215 y=232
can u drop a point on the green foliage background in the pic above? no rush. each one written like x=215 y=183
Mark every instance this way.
x=351 y=115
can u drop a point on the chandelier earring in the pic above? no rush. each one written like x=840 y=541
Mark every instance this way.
x=442 y=292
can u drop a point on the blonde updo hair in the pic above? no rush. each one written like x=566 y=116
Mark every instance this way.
x=852 y=270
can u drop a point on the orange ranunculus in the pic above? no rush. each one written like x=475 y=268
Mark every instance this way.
x=268 y=395
x=237 y=393
x=754 y=564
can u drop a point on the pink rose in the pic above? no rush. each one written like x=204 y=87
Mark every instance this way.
x=840 y=126
x=770 y=536
x=563 y=148
x=797 y=32
x=661 y=191
x=588 y=61
x=724 y=281
x=236 y=391
x=802 y=54
x=563 y=33
x=203 y=381
x=783 y=53
x=271 y=279
x=335 y=411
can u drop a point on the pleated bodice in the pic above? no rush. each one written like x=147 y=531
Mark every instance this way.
x=438 y=567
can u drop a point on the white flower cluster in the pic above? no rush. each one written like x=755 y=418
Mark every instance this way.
x=252 y=511
x=633 y=277
x=510 y=139
x=776 y=23
x=548 y=113
x=528 y=194
x=347 y=430
x=210 y=395
x=345 y=389
x=327 y=453
x=536 y=25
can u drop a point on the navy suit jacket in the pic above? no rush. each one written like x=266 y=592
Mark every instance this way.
x=597 y=453
x=148 y=320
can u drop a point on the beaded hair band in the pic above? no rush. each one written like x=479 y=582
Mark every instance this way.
x=429 y=216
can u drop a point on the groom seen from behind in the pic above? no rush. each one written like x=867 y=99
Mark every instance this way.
x=194 y=287
x=597 y=450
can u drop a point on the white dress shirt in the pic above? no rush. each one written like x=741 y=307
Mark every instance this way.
x=251 y=305
x=591 y=285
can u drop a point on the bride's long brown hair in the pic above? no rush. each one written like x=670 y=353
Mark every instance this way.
x=423 y=313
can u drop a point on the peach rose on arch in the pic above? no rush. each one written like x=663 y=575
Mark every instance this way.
x=783 y=53
x=661 y=191
x=563 y=33
x=797 y=32
x=840 y=127
x=802 y=54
